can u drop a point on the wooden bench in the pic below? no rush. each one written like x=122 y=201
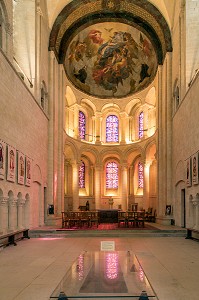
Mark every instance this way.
x=190 y=232
x=12 y=237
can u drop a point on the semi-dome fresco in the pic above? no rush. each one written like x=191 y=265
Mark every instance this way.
x=110 y=59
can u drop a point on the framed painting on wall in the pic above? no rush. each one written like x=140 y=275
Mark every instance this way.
x=2 y=159
x=11 y=170
x=28 y=171
x=195 y=168
x=188 y=172
x=21 y=167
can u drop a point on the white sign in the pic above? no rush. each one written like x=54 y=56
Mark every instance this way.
x=107 y=246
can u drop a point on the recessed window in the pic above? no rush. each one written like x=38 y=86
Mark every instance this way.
x=112 y=129
x=141 y=125
x=82 y=175
x=112 y=175
x=82 y=125
x=140 y=175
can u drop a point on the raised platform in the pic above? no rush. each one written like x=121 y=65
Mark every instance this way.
x=109 y=230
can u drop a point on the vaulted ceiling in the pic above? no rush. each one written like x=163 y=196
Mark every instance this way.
x=90 y=36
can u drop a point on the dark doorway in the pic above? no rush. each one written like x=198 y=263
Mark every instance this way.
x=183 y=209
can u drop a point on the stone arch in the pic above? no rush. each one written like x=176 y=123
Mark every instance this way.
x=37 y=175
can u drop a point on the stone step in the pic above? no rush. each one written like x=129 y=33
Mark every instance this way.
x=103 y=233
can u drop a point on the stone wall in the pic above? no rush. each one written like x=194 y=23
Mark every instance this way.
x=24 y=126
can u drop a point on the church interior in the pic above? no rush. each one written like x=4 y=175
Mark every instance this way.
x=99 y=112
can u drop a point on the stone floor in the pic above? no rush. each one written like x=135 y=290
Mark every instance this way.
x=34 y=268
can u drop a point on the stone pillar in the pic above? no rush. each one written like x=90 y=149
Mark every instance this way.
x=3 y=215
x=76 y=121
x=124 y=186
x=168 y=126
x=12 y=214
x=20 y=204
x=195 y=202
x=160 y=145
x=98 y=170
x=124 y=128
x=60 y=167
x=50 y=187
x=26 y=214
x=93 y=129
x=98 y=128
x=75 y=185
x=146 y=166
x=91 y=180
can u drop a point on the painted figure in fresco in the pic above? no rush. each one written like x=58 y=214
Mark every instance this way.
x=21 y=162
x=81 y=75
x=114 y=61
x=194 y=167
x=12 y=161
x=1 y=156
x=28 y=169
x=77 y=51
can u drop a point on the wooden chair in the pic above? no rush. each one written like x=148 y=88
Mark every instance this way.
x=122 y=218
x=74 y=219
x=84 y=218
x=152 y=217
x=134 y=206
x=94 y=218
x=148 y=214
x=130 y=218
x=141 y=218
x=65 y=219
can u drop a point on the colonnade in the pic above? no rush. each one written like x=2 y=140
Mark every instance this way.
x=14 y=214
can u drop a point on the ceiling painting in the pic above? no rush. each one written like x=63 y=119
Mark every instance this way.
x=110 y=60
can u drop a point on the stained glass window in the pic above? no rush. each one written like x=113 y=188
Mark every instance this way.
x=112 y=129
x=112 y=175
x=140 y=175
x=82 y=175
x=141 y=125
x=82 y=125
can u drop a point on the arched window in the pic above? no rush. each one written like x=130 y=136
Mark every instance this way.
x=82 y=125
x=82 y=175
x=140 y=175
x=112 y=175
x=141 y=125
x=112 y=129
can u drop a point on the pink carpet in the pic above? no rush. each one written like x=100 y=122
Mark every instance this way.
x=110 y=226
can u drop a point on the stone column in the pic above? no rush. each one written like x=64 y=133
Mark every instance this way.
x=91 y=180
x=75 y=185
x=146 y=166
x=124 y=186
x=93 y=129
x=195 y=202
x=98 y=128
x=76 y=121
x=26 y=214
x=3 y=215
x=60 y=167
x=50 y=187
x=160 y=145
x=12 y=214
x=168 y=126
x=124 y=128
x=20 y=204
x=98 y=170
